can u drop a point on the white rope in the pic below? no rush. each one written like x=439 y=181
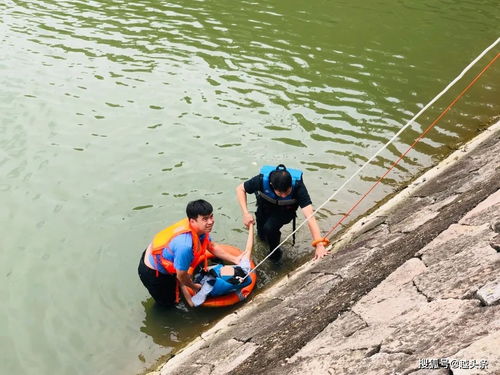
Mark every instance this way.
x=385 y=146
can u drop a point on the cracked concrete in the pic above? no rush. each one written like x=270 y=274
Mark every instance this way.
x=401 y=289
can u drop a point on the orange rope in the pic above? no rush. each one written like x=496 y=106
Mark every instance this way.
x=414 y=143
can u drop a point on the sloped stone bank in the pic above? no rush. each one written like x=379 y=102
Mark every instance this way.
x=409 y=288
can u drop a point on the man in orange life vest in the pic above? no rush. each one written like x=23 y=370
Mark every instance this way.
x=167 y=259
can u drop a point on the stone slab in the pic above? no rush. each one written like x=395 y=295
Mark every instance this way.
x=438 y=371
x=345 y=363
x=495 y=243
x=420 y=334
x=363 y=338
x=394 y=297
x=454 y=240
x=461 y=275
x=227 y=355
x=490 y=293
x=488 y=211
x=480 y=358
x=422 y=216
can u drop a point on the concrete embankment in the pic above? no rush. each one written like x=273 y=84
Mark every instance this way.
x=411 y=289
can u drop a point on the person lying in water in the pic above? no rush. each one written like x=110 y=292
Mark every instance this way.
x=221 y=279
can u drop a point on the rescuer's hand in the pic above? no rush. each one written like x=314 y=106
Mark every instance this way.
x=320 y=251
x=248 y=219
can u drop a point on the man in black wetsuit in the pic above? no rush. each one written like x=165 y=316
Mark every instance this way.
x=280 y=192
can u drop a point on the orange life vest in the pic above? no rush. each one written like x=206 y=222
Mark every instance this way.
x=163 y=238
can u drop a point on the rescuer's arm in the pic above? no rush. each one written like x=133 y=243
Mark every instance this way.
x=315 y=232
x=219 y=252
x=187 y=296
x=185 y=279
x=241 y=195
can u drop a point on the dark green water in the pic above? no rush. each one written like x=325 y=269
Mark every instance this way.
x=114 y=114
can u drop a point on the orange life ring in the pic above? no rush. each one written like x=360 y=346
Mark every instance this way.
x=231 y=298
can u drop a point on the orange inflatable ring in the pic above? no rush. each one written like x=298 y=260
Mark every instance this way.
x=231 y=298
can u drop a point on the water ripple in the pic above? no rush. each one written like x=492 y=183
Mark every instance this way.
x=113 y=114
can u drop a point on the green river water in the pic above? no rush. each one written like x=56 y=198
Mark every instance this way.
x=114 y=114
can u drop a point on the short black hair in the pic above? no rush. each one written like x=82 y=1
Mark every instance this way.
x=198 y=207
x=280 y=180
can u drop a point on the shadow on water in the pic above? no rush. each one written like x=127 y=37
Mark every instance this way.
x=172 y=327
